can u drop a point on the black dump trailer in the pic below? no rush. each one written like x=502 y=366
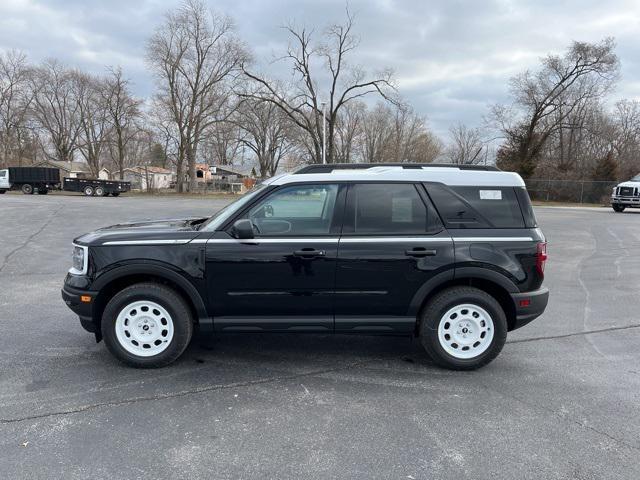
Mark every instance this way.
x=92 y=187
x=30 y=179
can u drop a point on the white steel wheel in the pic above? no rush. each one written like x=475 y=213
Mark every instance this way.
x=88 y=191
x=465 y=331
x=144 y=328
x=99 y=192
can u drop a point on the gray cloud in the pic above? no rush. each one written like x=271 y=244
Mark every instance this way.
x=452 y=58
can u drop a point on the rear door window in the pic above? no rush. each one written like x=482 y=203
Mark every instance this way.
x=477 y=207
x=388 y=209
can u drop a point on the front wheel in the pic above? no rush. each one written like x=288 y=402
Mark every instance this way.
x=27 y=189
x=147 y=325
x=463 y=328
x=617 y=207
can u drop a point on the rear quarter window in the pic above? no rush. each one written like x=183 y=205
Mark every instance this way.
x=477 y=207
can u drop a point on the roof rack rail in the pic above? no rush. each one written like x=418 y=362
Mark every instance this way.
x=330 y=167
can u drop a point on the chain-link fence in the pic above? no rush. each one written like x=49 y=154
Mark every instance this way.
x=573 y=191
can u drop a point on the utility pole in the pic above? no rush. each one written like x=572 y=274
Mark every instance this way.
x=324 y=132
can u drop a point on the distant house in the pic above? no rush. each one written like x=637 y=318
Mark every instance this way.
x=104 y=174
x=224 y=172
x=67 y=169
x=229 y=179
x=149 y=178
x=203 y=173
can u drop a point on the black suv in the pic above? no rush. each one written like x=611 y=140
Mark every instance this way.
x=450 y=254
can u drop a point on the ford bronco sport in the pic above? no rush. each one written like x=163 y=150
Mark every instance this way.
x=450 y=254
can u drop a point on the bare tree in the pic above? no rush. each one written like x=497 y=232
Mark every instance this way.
x=55 y=108
x=348 y=131
x=375 y=124
x=547 y=98
x=123 y=113
x=94 y=119
x=266 y=133
x=397 y=134
x=14 y=104
x=466 y=145
x=194 y=54
x=222 y=142
x=302 y=101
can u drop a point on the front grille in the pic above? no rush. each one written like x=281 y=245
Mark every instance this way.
x=626 y=191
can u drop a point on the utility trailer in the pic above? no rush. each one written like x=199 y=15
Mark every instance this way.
x=29 y=179
x=92 y=187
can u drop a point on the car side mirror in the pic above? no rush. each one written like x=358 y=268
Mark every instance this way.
x=242 y=229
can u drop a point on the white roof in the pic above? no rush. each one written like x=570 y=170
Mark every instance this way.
x=447 y=175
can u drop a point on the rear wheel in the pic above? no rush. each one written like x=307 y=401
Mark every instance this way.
x=147 y=325
x=463 y=328
x=115 y=194
x=88 y=190
x=27 y=189
x=2 y=191
x=99 y=192
x=43 y=191
x=617 y=207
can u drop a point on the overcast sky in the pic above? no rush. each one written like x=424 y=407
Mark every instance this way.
x=452 y=58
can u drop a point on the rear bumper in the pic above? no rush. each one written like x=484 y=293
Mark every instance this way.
x=84 y=310
x=529 y=306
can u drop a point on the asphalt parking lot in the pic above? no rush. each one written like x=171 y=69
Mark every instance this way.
x=562 y=401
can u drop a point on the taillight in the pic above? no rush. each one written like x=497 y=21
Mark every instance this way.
x=541 y=257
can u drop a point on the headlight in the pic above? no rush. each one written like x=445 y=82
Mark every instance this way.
x=80 y=260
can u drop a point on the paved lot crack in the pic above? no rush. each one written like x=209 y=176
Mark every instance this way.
x=184 y=393
x=5 y=261
x=563 y=417
x=575 y=334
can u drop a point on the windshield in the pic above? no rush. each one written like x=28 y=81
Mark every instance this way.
x=222 y=215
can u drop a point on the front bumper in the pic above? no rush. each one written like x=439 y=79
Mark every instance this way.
x=529 y=306
x=626 y=201
x=84 y=310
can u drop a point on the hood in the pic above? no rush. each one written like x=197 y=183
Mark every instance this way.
x=629 y=184
x=166 y=229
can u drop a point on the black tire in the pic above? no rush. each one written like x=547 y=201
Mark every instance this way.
x=433 y=313
x=43 y=191
x=99 y=192
x=88 y=191
x=2 y=192
x=27 y=189
x=115 y=194
x=617 y=208
x=168 y=299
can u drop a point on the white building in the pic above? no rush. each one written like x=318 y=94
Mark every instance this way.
x=149 y=178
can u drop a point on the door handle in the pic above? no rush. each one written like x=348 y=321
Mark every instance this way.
x=309 y=253
x=420 y=252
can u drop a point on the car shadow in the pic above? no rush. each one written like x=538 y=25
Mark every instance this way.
x=304 y=349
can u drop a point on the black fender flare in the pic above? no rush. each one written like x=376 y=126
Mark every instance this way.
x=458 y=274
x=157 y=270
x=487 y=274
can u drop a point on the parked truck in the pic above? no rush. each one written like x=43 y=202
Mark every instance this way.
x=29 y=179
x=40 y=180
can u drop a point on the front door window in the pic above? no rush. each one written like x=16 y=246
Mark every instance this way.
x=295 y=211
